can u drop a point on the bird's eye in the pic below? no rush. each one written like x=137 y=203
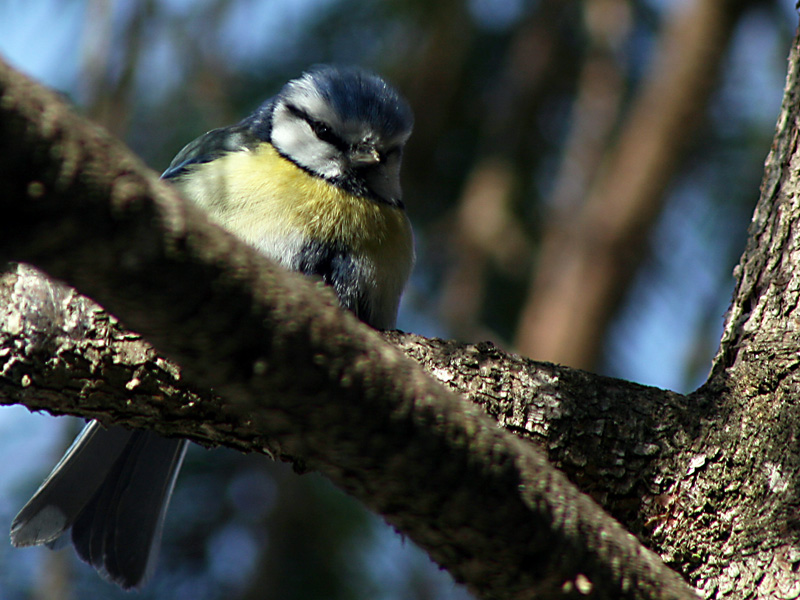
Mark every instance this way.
x=325 y=133
x=320 y=129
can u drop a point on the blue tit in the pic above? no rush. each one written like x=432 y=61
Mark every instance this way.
x=312 y=180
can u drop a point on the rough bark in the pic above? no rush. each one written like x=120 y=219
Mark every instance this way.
x=299 y=378
x=749 y=481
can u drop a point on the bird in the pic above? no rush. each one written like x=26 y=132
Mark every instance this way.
x=312 y=180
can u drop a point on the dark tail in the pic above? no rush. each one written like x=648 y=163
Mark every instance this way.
x=112 y=487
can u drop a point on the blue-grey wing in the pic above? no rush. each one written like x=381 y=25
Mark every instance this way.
x=210 y=146
x=245 y=135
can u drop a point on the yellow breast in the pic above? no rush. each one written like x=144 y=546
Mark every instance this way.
x=281 y=210
x=259 y=195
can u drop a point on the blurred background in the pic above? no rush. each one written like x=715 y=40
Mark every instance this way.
x=580 y=180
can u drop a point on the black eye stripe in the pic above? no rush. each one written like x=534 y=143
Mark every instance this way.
x=320 y=129
x=325 y=133
x=301 y=114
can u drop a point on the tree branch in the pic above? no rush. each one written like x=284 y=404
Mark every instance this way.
x=484 y=504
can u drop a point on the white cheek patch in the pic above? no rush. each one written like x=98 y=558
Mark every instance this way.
x=307 y=98
x=293 y=137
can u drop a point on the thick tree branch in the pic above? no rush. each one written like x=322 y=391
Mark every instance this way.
x=732 y=521
x=483 y=503
x=768 y=274
x=602 y=432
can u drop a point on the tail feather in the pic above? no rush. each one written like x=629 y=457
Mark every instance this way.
x=70 y=486
x=112 y=488
x=119 y=531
